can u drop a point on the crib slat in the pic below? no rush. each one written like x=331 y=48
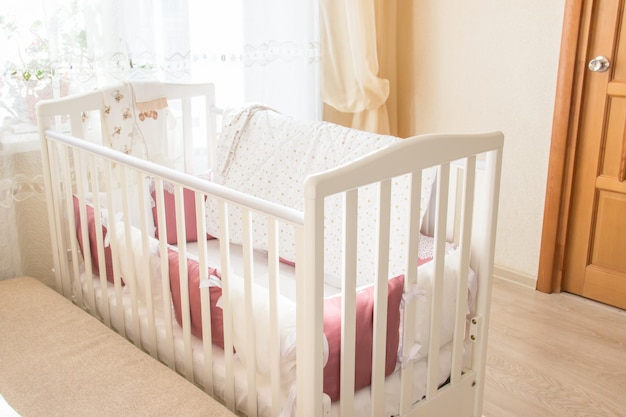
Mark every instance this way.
x=443 y=181
x=80 y=188
x=115 y=251
x=99 y=240
x=348 y=308
x=187 y=134
x=145 y=273
x=52 y=185
x=132 y=278
x=76 y=124
x=248 y=272
x=466 y=222
x=410 y=308
x=165 y=272
x=210 y=128
x=184 y=281
x=274 y=291
x=380 y=300
x=98 y=224
x=71 y=233
x=56 y=185
x=179 y=203
x=229 y=377
x=205 y=299
x=309 y=319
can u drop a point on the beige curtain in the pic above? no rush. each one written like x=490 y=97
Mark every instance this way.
x=358 y=42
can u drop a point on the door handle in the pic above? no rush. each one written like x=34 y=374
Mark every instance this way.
x=599 y=64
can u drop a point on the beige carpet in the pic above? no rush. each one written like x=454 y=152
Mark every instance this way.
x=57 y=360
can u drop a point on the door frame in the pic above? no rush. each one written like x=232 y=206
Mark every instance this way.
x=567 y=109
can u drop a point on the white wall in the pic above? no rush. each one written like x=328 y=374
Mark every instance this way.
x=492 y=65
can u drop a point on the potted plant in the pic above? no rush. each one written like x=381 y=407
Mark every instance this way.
x=30 y=72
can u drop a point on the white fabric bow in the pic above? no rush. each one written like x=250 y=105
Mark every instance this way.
x=213 y=281
x=412 y=293
x=414 y=354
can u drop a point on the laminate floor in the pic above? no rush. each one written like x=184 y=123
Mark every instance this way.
x=554 y=355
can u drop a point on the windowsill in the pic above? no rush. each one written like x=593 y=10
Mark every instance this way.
x=19 y=139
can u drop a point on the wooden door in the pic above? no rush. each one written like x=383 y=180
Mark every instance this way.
x=594 y=257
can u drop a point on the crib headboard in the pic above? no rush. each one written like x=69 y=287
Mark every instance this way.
x=190 y=121
x=412 y=155
x=114 y=115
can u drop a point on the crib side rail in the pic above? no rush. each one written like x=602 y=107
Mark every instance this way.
x=89 y=176
x=187 y=180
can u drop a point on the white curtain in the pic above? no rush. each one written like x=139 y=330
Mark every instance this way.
x=254 y=51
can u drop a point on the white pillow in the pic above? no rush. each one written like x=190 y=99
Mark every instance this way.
x=132 y=258
x=135 y=209
x=261 y=311
x=423 y=297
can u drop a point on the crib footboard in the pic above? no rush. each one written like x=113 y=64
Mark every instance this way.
x=369 y=300
x=458 y=389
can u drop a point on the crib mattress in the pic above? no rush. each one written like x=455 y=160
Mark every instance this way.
x=287 y=285
x=362 y=397
x=58 y=360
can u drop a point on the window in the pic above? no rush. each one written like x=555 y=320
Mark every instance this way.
x=253 y=51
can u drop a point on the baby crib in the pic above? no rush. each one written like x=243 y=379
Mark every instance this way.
x=286 y=267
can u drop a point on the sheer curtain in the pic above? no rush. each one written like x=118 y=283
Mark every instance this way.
x=253 y=51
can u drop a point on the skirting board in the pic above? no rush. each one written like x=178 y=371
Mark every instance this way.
x=514 y=276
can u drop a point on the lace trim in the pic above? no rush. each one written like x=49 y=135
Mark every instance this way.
x=20 y=188
x=180 y=64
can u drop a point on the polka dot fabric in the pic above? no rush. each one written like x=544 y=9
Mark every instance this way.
x=269 y=155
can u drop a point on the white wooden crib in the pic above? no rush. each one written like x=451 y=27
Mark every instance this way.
x=310 y=258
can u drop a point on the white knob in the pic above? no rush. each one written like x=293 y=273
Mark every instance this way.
x=599 y=64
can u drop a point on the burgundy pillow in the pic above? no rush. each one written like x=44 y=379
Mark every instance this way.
x=191 y=229
x=364 y=336
x=193 y=277
x=91 y=231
